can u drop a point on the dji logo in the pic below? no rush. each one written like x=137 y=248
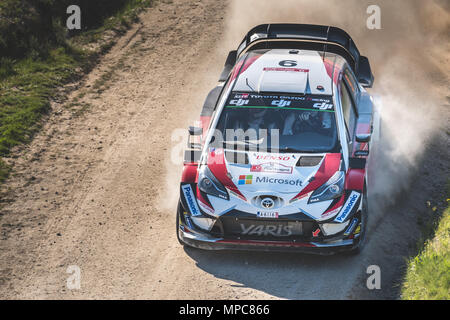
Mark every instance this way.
x=239 y=102
x=281 y=103
x=323 y=106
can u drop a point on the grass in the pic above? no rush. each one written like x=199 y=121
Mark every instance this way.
x=24 y=96
x=119 y=22
x=428 y=273
x=27 y=85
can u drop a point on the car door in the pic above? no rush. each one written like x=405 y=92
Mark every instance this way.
x=348 y=91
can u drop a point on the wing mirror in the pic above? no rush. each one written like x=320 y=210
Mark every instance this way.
x=195 y=131
x=364 y=75
x=229 y=64
x=363 y=137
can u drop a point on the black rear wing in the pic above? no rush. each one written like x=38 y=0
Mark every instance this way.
x=308 y=37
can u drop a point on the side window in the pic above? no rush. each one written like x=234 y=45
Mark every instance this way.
x=348 y=108
x=351 y=82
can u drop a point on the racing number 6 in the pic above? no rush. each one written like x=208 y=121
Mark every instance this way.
x=288 y=63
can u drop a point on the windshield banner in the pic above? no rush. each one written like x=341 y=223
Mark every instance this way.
x=271 y=101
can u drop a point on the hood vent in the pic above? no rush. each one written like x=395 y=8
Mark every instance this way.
x=309 y=161
x=236 y=157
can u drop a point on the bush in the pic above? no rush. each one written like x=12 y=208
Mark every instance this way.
x=35 y=57
x=32 y=27
x=6 y=67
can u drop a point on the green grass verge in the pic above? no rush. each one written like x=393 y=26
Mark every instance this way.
x=27 y=85
x=119 y=22
x=24 y=96
x=428 y=274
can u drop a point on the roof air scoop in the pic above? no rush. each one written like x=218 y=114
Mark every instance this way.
x=282 y=79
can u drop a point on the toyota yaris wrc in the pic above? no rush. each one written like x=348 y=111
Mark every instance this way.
x=281 y=158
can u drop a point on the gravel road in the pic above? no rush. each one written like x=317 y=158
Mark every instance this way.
x=96 y=187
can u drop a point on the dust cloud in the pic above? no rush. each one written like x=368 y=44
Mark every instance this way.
x=409 y=57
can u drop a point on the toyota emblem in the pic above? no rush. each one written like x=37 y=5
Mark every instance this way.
x=267 y=203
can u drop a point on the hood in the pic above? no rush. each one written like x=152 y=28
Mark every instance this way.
x=280 y=174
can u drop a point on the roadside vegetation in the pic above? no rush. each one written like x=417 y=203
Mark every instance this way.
x=428 y=273
x=38 y=55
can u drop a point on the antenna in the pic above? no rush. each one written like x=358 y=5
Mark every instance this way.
x=326 y=43
x=267 y=39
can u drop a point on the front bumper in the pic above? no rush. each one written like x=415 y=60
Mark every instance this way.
x=224 y=236
x=203 y=240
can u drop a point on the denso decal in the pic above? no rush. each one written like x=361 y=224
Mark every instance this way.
x=271 y=167
x=272 y=157
x=348 y=206
x=265 y=230
x=190 y=199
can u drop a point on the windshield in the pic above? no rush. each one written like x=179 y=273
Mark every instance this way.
x=277 y=123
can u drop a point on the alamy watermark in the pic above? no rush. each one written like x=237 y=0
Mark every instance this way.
x=74 y=20
x=374 y=280
x=374 y=19
x=74 y=280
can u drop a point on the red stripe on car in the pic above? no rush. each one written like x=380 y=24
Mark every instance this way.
x=203 y=201
x=336 y=206
x=328 y=167
x=267 y=243
x=217 y=165
x=248 y=62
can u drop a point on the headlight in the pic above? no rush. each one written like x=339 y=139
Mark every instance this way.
x=333 y=228
x=332 y=189
x=210 y=185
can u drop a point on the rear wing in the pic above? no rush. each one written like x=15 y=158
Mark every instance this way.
x=306 y=37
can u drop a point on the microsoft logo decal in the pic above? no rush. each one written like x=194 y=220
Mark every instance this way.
x=245 y=179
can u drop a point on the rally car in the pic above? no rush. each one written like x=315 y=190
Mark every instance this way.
x=281 y=156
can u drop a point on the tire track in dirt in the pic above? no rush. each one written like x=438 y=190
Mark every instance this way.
x=93 y=198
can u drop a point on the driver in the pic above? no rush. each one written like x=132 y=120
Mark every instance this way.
x=260 y=119
x=306 y=121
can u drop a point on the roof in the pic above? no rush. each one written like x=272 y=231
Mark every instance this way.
x=311 y=37
x=284 y=70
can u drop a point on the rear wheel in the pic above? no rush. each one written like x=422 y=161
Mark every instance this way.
x=361 y=240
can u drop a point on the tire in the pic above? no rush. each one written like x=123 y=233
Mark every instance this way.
x=363 y=233
x=178 y=224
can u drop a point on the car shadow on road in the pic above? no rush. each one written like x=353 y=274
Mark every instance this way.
x=278 y=274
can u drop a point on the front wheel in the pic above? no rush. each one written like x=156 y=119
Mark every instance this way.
x=178 y=223
x=358 y=247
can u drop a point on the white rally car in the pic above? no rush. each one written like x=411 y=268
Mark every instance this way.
x=281 y=159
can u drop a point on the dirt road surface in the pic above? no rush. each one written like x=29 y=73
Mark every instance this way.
x=96 y=188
